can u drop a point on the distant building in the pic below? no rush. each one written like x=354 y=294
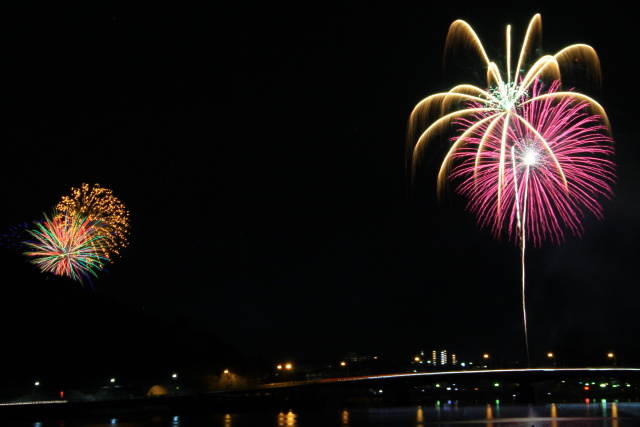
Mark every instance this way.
x=438 y=358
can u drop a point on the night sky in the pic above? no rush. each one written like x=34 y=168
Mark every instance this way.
x=261 y=152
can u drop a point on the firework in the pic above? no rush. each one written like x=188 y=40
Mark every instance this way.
x=498 y=106
x=544 y=170
x=530 y=157
x=69 y=245
x=99 y=204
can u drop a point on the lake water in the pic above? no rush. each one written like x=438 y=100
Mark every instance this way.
x=599 y=414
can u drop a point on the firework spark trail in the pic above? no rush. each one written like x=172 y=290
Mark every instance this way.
x=531 y=158
x=521 y=223
x=71 y=246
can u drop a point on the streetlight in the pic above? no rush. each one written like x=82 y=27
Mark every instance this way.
x=287 y=366
x=110 y=388
x=284 y=368
x=344 y=365
x=612 y=356
x=227 y=380
x=552 y=358
x=176 y=387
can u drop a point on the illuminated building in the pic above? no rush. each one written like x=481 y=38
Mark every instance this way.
x=443 y=358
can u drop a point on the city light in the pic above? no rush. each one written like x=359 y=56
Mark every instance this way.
x=287 y=366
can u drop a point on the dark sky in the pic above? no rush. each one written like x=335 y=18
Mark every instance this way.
x=260 y=151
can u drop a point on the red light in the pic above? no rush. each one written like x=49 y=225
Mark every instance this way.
x=586 y=388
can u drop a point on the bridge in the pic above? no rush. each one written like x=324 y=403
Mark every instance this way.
x=510 y=375
x=525 y=385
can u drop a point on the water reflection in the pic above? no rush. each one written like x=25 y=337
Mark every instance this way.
x=419 y=417
x=495 y=414
x=446 y=413
x=345 y=417
x=554 y=415
x=489 y=416
x=288 y=419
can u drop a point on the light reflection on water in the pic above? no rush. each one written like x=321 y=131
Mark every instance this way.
x=288 y=419
x=345 y=417
x=601 y=414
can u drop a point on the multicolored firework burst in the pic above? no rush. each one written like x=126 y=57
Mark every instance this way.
x=81 y=235
x=69 y=245
x=496 y=107
x=99 y=204
x=543 y=171
x=530 y=157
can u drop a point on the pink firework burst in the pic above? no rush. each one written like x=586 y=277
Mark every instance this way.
x=531 y=159
x=534 y=173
